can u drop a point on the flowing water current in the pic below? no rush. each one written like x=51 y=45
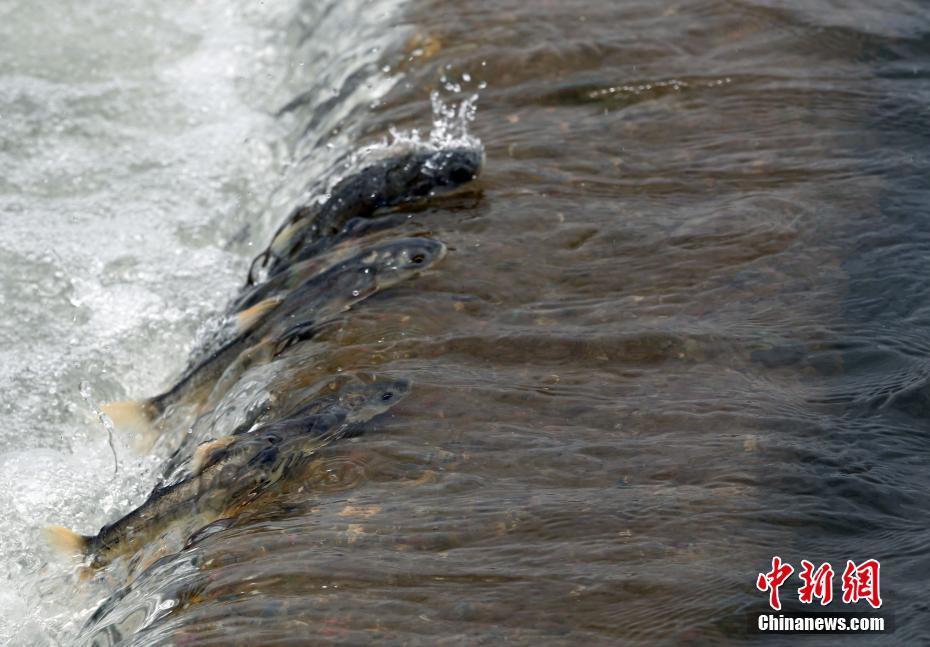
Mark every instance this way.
x=680 y=322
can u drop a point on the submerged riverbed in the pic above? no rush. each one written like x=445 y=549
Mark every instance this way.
x=681 y=326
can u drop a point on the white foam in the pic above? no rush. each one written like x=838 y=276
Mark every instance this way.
x=135 y=143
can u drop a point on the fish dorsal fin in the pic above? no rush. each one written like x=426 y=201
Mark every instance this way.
x=247 y=319
x=208 y=452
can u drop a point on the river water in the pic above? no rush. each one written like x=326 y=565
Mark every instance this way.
x=682 y=325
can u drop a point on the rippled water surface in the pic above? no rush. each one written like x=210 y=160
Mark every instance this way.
x=682 y=324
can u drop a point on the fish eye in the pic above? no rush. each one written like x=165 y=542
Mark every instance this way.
x=417 y=258
x=461 y=175
x=387 y=396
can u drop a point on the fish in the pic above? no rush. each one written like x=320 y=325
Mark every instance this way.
x=229 y=471
x=357 y=228
x=386 y=183
x=313 y=260
x=388 y=264
x=320 y=257
x=348 y=391
x=297 y=317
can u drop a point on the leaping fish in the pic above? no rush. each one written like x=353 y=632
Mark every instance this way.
x=350 y=392
x=316 y=258
x=229 y=471
x=295 y=316
x=386 y=183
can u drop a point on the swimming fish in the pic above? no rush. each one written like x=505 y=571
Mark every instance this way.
x=386 y=183
x=320 y=257
x=349 y=391
x=296 y=316
x=228 y=471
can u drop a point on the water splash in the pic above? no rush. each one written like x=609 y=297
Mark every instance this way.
x=449 y=129
x=450 y=122
x=104 y=420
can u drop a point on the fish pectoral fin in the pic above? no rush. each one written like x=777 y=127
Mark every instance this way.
x=295 y=334
x=250 y=317
x=133 y=417
x=206 y=453
x=258 y=263
x=66 y=542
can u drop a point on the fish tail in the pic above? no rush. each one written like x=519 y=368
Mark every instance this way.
x=134 y=417
x=66 y=542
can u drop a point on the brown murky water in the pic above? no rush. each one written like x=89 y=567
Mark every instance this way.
x=681 y=328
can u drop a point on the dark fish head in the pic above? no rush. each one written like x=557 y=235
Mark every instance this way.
x=401 y=259
x=365 y=401
x=426 y=173
x=453 y=167
x=376 y=268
